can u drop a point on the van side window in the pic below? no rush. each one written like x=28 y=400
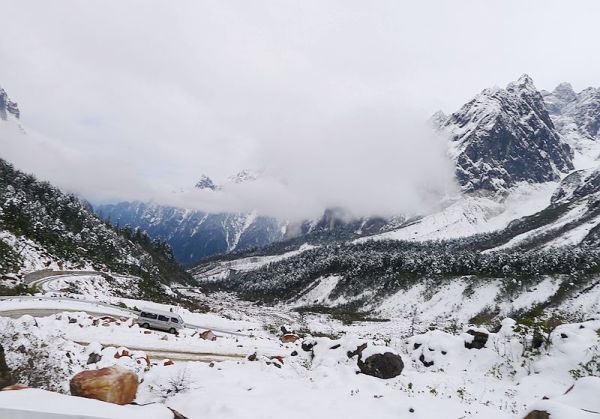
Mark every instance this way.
x=174 y=320
x=148 y=315
x=163 y=318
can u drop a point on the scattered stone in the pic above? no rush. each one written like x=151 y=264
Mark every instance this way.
x=277 y=358
x=479 y=339
x=121 y=353
x=359 y=350
x=71 y=320
x=416 y=346
x=564 y=335
x=168 y=362
x=176 y=414
x=308 y=345
x=387 y=365
x=252 y=357
x=208 y=335
x=294 y=353
x=289 y=338
x=426 y=363
x=6 y=378
x=113 y=384
x=147 y=332
x=335 y=346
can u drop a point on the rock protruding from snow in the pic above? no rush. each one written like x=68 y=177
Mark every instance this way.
x=7 y=106
x=478 y=340
x=6 y=378
x=386 y=365
x=113 y=384
x=506 y=136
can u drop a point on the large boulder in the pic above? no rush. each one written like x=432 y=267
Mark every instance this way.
x=537 y=414
x=386 y=365
x=113 y=384
x=6 y=378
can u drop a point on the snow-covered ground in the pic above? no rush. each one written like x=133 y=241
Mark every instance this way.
x=254 y=375
x=473 y=214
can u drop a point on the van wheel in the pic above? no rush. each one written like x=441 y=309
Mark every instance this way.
x=172 y=331
x=146 y=326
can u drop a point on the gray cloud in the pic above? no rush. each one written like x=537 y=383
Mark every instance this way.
x=137 y=98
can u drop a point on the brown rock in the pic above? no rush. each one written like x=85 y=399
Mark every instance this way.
x=113 y=384
x=168 y=362
x=537 y=414
x=208 y=335
x=289 y=338
x=15 y=387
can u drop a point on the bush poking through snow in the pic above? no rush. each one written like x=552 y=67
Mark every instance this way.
x=179 y=382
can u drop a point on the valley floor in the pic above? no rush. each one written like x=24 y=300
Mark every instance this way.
x=248 y=372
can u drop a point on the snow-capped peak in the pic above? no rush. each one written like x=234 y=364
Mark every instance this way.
x=7 y=106
x=243 y=176
x=206 y=183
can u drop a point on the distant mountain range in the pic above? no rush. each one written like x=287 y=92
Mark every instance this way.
x=502 y=139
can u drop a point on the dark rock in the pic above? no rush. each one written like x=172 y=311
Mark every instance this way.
x=6 y=378
x=176 y=414
x=308 y=345
x=294 y=353
x=564 y=335
x=387 y=365
x=94 y=358
x=537 y=414
x=335 y=346
x=416 y=346
x=252 y=357
x=479 y=339
x=359 y=350
x=426 y=363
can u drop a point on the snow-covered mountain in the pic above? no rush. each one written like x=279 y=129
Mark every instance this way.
x=194 y=234
x=8 y=108
x=577 y=117
x=503 y=137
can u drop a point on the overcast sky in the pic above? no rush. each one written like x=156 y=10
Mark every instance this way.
x=328 y=96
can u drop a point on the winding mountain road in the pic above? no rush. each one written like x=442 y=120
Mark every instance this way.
x=41 y=306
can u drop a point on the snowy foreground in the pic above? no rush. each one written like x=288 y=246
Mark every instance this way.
x=247 y=372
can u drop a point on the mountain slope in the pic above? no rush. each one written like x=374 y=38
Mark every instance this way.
x=43 y=226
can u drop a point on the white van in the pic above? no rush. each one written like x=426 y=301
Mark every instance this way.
x=161 y=320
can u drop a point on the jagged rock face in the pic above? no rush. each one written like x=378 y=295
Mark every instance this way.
x=506 y=136
x=7 y=106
